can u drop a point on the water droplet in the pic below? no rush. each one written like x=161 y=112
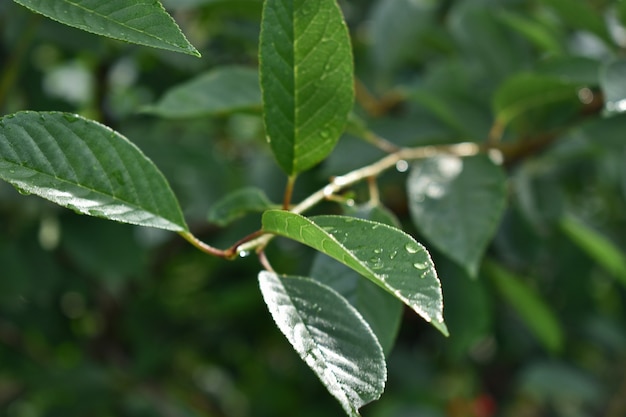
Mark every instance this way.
x=411 y=247
x=420 y=265
x=70 y=117
x=378 y=250
x=393 y=255
x=376 y=263
x=22 y=191
x=244 y=253
x=402 y=166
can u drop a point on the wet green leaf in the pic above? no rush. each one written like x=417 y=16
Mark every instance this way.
x=87 y=167
x=457 y=203
x=144 y=22
x=306 y=78
x=329 y=335
x=383 y=254
x=380 y=309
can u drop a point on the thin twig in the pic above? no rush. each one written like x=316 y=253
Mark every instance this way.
x=370 y=171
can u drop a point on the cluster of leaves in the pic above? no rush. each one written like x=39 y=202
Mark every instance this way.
x=507 y=117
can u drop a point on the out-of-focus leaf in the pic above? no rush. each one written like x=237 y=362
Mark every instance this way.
x=524 y=99
x=87 y=167
x=531 y=308
x=456 y=203
x=534 y=30
x=613 y=83
x=580 y=15
x=237 y=204
x=383 y=254
x=573 y=69
x=560 y=383
x=220 y=91
x=597 y=246
x=395 y=28
x=144 y=22
x=382 y=311
x=306 y=79
x=486 y=41
x=330 y=336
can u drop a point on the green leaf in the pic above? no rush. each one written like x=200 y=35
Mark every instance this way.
x=457 y=203
x=87 y=167
x=580 y=15
x=613 y=86
x=531 y=308
x=329 y=335
x=238 y=204
x=306 y=78
x=381 y=310
x=220 y=91
x=597 y=246
x=383 y=254
x=525 y=98
x=534 y=30
x=143 y=22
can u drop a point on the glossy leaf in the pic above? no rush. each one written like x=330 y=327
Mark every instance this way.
x=143 y=22
x=87 y=167
x=220 y=91
x=306 y=78
x=237 y=204
x=532 y=309
x=534 y=30
x=613 y=85
x=457 y=203
x=383 y=254
x=381 y=310
x=329 y=335
x=597 y=246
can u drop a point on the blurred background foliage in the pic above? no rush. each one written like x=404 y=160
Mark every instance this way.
x=101 y=319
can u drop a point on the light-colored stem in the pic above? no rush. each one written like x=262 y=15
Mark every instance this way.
x=370 y=171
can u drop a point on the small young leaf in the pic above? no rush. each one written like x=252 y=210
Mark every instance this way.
x=220 y=91
x=529 y=305
x=383 y=254
x=237 y=204
x=306 y=78
x=614 y=86
x=143 y=22
x=85 y=166
x=597 y=246
x=329 y=335
x=456 y=203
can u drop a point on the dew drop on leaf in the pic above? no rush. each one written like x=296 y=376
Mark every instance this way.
x=411 y=247
x=420 y=265
x=393 y=255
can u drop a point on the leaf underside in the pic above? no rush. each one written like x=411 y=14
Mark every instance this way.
x=329 y=335
x=306 y=73
x=87 y=167
x=144 y=22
